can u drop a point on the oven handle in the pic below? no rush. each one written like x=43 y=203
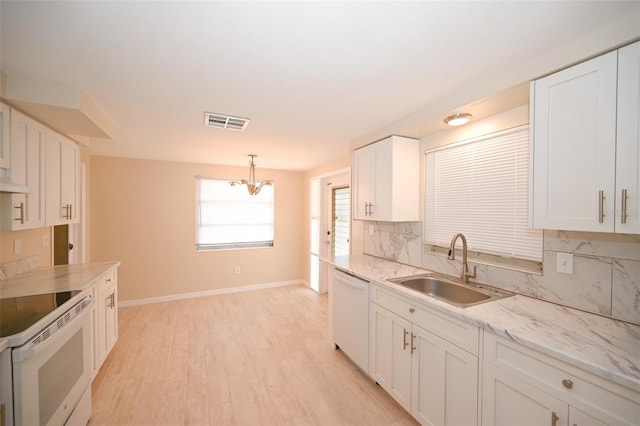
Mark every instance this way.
x=31 y=349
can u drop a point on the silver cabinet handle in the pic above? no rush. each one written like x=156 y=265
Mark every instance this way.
x=21 y=218
x=370 y=209
x=554 y=418
x=601 y=206
x=567 y=383
x=69 y=209
x=623 y=219
x=413 y=348
x=111 y=300
x=404 y=340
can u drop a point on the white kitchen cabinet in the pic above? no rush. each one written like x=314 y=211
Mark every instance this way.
x=386 y=180
x=522 y=386
x=584 y=154
x=106 y=325
x=25 y=211
x=444 y=387
x=6 y=388
x=5 y=134
x=509 y=401
x=416 y=358
x=628 y=141
x=62 y=170
x=390 y=354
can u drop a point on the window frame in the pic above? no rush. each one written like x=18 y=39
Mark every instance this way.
x=479 y=253
x=236 y=245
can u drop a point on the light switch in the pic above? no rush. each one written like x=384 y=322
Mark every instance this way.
x=565 y=263
x=17 y=246
x=45 y=240
x=236 y=270
x=372 y=230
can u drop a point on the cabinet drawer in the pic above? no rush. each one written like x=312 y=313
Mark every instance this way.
x=579 y=388
x=458 y=332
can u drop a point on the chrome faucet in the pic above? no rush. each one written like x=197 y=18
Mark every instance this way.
x=465 y=275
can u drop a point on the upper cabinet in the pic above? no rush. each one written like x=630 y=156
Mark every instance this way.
x=386 y=180
x=5 y=145
x=27 y=162
x=62 y=167
x=585 y=147
x=627 y=198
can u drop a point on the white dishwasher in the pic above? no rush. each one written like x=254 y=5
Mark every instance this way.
x=351 y=317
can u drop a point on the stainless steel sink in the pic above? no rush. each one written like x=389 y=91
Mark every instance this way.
x=454 y=293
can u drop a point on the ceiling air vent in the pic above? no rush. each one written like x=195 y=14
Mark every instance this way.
x=225 y=121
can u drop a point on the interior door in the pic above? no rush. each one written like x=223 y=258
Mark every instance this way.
x=61 y=245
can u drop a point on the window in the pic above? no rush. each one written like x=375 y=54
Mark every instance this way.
x=480 y=187
x=227 y=217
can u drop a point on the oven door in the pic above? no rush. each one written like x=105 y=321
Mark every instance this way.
x=51 y=375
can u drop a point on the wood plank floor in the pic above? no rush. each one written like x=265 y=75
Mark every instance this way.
x=251 y=358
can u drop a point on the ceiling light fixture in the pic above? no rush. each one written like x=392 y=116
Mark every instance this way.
x=457 y=119
x=251 y=183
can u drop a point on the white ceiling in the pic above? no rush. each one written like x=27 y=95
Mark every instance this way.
x=313 y=77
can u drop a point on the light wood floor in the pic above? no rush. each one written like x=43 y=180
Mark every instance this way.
x=252 y=358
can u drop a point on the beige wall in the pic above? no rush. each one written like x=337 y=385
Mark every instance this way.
x=31 y=245
x=143 y=214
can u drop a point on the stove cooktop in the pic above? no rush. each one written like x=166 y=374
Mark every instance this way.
x=19 y=313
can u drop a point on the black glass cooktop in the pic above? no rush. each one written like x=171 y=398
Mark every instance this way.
x=19 y=313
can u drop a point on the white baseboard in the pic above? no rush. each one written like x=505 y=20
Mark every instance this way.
x=173 y=297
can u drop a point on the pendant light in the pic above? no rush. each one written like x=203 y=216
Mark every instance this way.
x=251 y=183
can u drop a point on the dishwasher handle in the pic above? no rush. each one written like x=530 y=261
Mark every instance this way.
x=350 y=280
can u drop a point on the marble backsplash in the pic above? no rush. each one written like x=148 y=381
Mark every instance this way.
x=606 y=267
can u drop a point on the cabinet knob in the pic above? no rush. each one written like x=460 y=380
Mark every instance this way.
x=411 y=310
x=567 y=383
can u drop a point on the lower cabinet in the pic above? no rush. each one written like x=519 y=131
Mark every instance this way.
x=106 y=318
x=390 y=354
x=525 y=387
x=444 y=387
x=432 y=378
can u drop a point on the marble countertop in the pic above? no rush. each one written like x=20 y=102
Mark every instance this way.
x=600 y=345
x=52 y=279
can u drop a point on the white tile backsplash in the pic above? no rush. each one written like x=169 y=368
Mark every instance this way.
x=606 y=267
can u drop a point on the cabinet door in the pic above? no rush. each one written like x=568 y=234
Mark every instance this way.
x=580 y=418
x=27 y=169
x=62 y=180
x=508 y=400
x=363 y=165
x=628 y=141
x=382 y=190
x=5 y=134
x=111 y=316
x=574 y=138
x=107 y=324
x=444 y=382
x=390 y=354
x=69 y=170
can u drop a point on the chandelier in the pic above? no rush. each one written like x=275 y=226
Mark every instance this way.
x=251 y=183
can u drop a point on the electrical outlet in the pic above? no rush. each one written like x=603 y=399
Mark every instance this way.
x=17 y=246
x=565 y=263
x=236 y=270
x=45 y=240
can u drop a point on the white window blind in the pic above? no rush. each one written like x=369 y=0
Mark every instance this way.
x=480 y=187
x=229 y=217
